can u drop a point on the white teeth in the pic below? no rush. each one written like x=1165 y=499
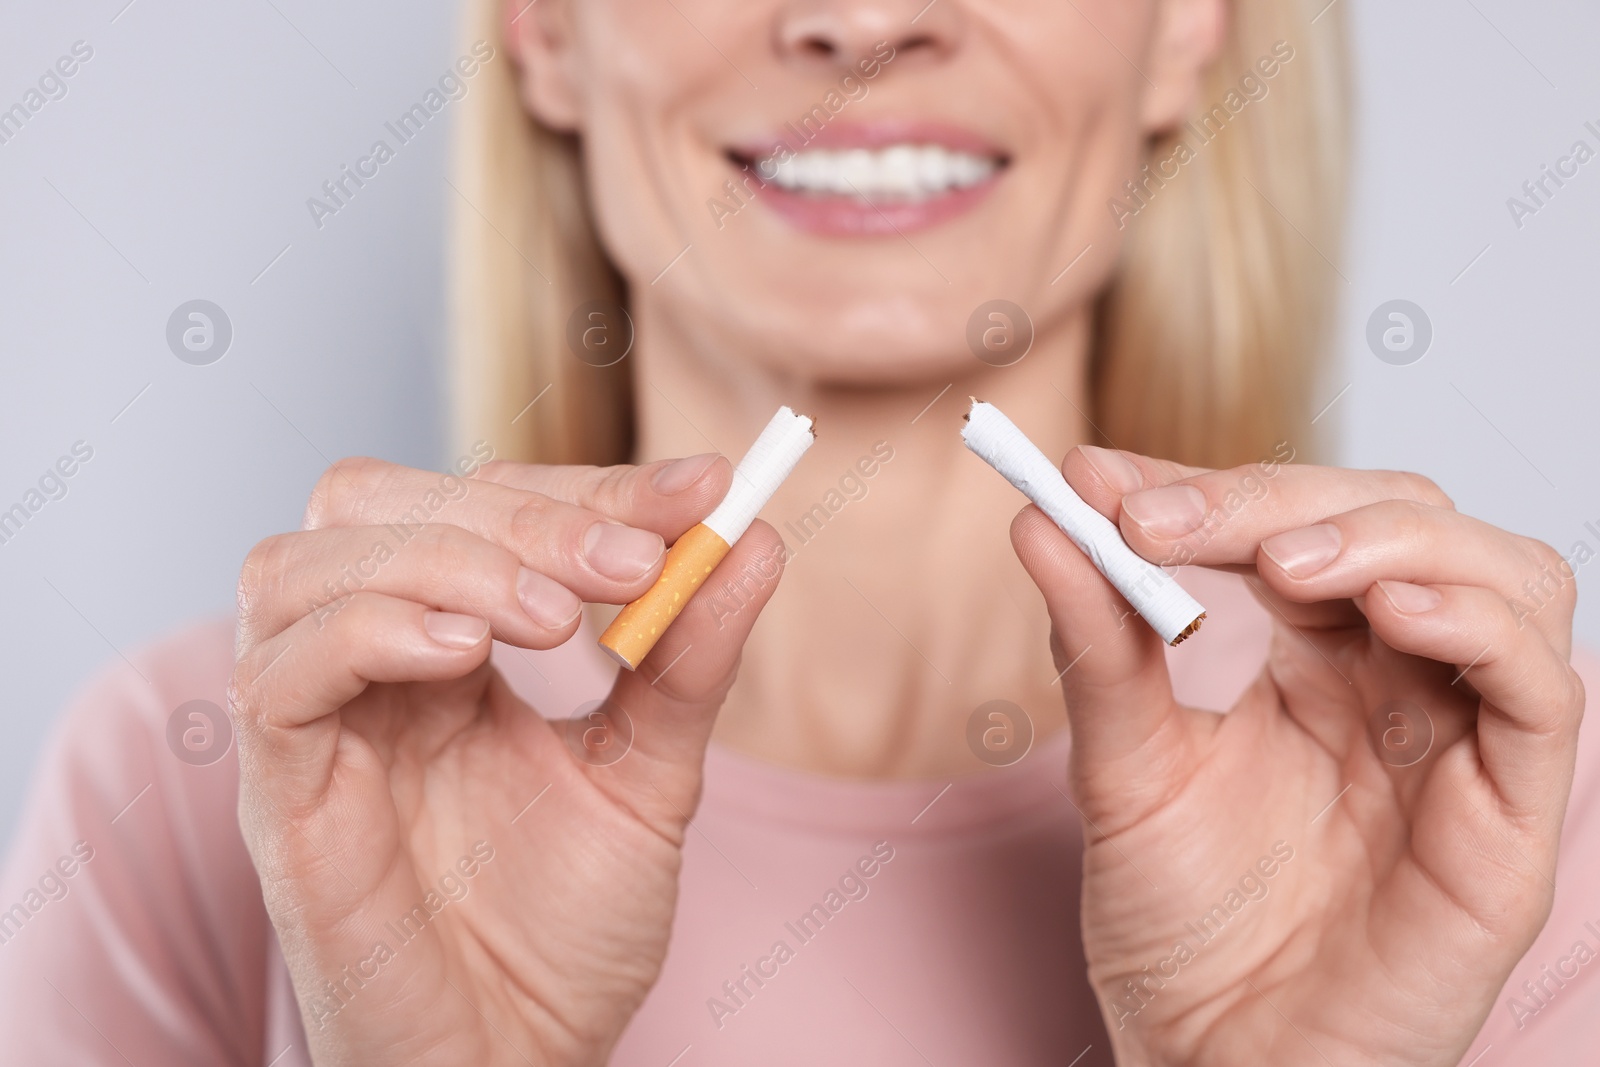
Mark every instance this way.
x=856 y=170
x=897 y=170
x=901 y=171
x=933 y=168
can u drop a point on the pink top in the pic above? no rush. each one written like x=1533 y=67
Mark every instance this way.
x=133 y=929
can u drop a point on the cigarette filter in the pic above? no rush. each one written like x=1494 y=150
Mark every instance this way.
x=1162 y=602
x=637 y=628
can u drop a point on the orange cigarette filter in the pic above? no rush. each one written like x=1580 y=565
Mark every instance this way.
x=635 y=631
x=637 y=628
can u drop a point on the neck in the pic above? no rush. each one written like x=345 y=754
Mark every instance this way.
x=903 y=607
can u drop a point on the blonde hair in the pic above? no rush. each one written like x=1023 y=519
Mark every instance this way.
x=1207 y=340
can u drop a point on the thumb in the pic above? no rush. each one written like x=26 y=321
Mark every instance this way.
x=1127 y=736
x=665 y=710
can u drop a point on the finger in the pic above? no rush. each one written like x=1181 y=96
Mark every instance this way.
x=1103 y=476
x=441 y=566
x=285 y=689
x=673 y=698
x=1316 y=615
x=1344 y=554
x=1180 y=515
x=666 y=497
x=302 y=674
x=1533 y=700
x=1125 y=736
x=597 y=557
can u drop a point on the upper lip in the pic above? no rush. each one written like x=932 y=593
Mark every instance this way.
x=839 y=135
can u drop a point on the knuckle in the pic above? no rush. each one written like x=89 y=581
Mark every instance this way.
x=1579 y=698
x=448 y=547
x=338 y=493
x=530 y=524
x=257 y=578
x=238 y=694
x=1407 y=520
x=584 y=485
x=434 y=537
x=1510 y=628
x=576 y=483
x=346 y=617
x=1545 y=556
x=1553 y=577
x=611 y=488
x=1567 y=597
x=1577 y=692
x=1424 y=490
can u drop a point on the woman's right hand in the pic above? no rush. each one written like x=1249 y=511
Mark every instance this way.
x=428 y=909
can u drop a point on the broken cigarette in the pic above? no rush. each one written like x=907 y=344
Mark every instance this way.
x=1162 y=602
x=637 y=628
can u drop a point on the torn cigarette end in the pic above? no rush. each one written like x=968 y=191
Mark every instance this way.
x=1158 y=599
x=637 y=628
x=1191 y=628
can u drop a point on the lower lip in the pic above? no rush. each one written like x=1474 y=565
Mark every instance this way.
x=853 y=216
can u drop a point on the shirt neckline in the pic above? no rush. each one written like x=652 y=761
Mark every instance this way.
x=742 y=787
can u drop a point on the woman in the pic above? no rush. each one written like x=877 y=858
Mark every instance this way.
x=466 y=840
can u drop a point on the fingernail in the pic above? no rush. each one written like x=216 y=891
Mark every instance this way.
x=680 y=474
x=621 y=552
x=1170 y=511
x=454 y=631
x=1303 y=553
x=1114 y=468
x=547 y=602
x=1411 y=599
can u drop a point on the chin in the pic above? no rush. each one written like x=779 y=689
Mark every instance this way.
x=889 y=341
x=883 y=369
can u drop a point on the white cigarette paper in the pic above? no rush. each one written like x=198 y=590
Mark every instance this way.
x=758 y=475
x=1162 y=602
x=639 y=625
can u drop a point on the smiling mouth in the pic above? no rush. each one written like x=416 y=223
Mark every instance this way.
x=904 y=172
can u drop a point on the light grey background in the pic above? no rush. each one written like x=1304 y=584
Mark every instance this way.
x=179 y=163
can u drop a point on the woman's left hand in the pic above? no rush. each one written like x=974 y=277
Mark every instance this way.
x=1344 y=867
